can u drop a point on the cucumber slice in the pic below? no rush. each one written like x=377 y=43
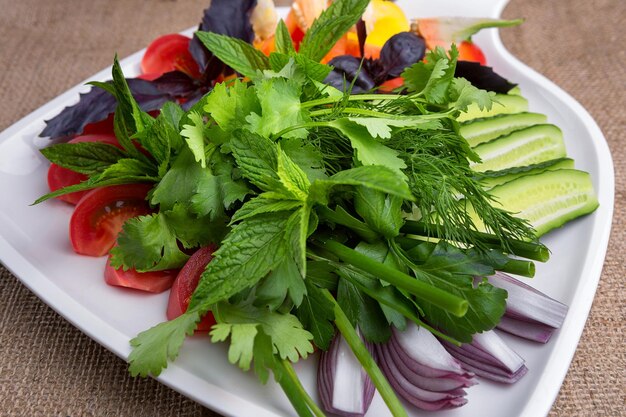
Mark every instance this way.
x=490 y=179
x=531 y=145
x=515 y=91
x=506 y=104
x=548 y=200
x=484 y=130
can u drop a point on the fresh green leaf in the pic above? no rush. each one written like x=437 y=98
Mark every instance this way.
x=282 y=39
x=256 y=156
x=432 y=77
x=463 y=94
x=280 y=108
x=85 y=157
x=330 y=26
x=284 y=281
x=382 y=212
x=250 y=251
x=293 y=179
x=316 y=314
x=194 y=136
x=229 y=105
x=368 y=150
x=237 y=54
x=288 y=337
x=154 y=347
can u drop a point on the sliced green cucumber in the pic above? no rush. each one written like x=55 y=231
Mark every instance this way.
x=490 y=179
x=548 y=200
x=531 y=145
x=506 y=104
x=483 y=130
x=515 y=91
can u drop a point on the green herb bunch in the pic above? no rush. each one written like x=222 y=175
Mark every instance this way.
x=330 y=210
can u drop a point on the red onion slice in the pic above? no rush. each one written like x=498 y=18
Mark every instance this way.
x=527 y=303
x=446 y=382
x=424 y=349
x=420 y=398
x=344 y=387
x=488 y=356
x=534 y=331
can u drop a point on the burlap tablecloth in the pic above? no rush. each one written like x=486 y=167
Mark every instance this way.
x=49 y=368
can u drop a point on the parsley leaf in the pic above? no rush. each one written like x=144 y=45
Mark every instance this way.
x=316 y=313
x=194 y=136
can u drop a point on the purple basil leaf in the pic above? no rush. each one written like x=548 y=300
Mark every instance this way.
x=400 y=51
x=97 y=104
x=225 y=17
x=482 y=77
x=347 y=69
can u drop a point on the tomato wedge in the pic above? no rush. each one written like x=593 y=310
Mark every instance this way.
x=469 y=51
x=100 y=214
x=168 y=53
x=59 y=177
x=186 y=283
x=154 y=282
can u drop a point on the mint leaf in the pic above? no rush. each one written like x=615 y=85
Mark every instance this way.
x=152 y=348
x=261 y=205
x=293 y=179
x=282 y=39
x=330 y=26
x=129 y=170
x=253 y=248
x=257 y=159
x=237 y=54
x=85 y=157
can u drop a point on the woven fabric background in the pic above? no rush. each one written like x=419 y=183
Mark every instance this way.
x=49 y=368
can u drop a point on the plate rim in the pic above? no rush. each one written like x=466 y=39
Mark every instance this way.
x=542 y=396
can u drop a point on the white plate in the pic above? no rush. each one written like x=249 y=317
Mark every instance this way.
x=34 y=246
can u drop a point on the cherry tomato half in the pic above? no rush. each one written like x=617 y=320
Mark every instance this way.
x=59 y=177
x=100 y=214
x=154 y=282
x=186 y=283
x=168 y=53
x=469 y=51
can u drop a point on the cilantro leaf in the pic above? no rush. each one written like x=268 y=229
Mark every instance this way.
x=229 y=106
x=280 y=108
x=306 y=156
x=382 y=212
x=288 y=337
x=194 y=136
x=147 y=243
x=463 y=94
x=432 y=78
x=368 y=150
x=152 y=348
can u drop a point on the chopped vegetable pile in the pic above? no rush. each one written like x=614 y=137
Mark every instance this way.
x=370 y=207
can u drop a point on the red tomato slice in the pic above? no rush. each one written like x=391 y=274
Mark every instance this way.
x=103 y=127
x=154 y=282
x=100 y=214
x=168 y=53
x=185 y=284
x=59 y=177
x=469 y=51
